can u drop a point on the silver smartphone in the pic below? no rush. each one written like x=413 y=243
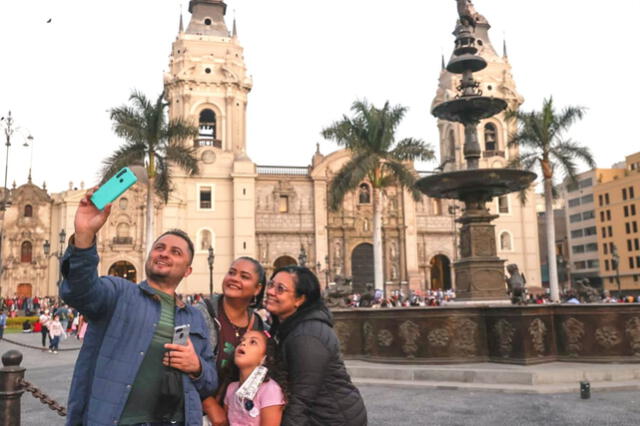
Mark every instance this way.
x=180 y=334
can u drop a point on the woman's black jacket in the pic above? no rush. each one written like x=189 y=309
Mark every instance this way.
x=320 y=390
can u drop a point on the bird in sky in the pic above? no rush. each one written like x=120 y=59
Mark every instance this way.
x=49 y=21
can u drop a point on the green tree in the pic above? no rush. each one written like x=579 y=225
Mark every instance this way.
x=376 y=157
x=541 y=137
x=155 y=142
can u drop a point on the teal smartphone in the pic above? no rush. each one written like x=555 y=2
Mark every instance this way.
x=113 y=188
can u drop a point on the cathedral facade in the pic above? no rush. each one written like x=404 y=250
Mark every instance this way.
x=277 y=214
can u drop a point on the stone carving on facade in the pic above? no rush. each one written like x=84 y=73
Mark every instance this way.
x=538 y=331
x=438 y=338
x=632 y=330
x=410 y=333
x=464 y=333
x=369 y=338
x=504 y=332
x=608 y=337
x=385 y=338
x=344 y=333
x=574 y=332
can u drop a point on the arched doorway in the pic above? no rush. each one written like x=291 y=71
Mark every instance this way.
x=362 y=267
x=24 y=290
x=284 y=261
x=440 y=273
x=125 y=270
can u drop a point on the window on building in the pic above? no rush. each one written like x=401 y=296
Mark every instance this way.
x=605 y=248
x=636 y=244
x=580 y=265
x=505 y=241
x=610 y=279
x=626 y=211
x=503 y=204
x=627 y=227
x=575 y=218
x=577 y=233
x=577 y=249
x=610 y=231
x=602 y=216
x=592 y=230
x=633 y=209
x=283 y=204
x=26 y=252
x=28 y=211
x=638 y=261
x=611 y=247
x=591 y=247
x=635 y=226
x=436 y=204
x=624 y=194
x=586 y=199
x=606 y=198
x=600 y=200
x=604 y=232
x=632 y=194
x=586 y=183
x=636 y=278
x=588 y=215
x=490 y=137
x=608 y=214
x=631 y=263
x=593 y=264
x=364 y=194
x=207 y=128
x=606 y=264
x=629 y=245
x=574 y=202
x=206 y=197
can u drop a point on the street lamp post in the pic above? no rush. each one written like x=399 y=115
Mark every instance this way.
x=46 y=247
x=211 y=258
x=616 y=264
x=302 y=257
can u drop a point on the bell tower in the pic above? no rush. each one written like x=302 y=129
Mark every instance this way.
x=207 y=81
x=207 y=84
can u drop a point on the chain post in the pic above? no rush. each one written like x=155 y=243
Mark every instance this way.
x=11 y=390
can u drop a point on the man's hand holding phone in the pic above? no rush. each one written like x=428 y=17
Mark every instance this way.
x=89 y=220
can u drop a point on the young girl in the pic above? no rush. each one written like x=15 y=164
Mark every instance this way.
x=255 y=398
x=56 y=331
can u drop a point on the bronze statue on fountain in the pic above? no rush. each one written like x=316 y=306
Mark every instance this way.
x=479 y=272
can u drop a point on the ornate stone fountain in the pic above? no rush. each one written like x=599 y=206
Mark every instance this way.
x=479 y=271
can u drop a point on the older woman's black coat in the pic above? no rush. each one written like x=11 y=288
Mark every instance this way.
x=320 y=390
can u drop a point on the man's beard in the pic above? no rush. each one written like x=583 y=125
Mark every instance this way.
x=155 y=276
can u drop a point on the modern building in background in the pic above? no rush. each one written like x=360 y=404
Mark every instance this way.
x=617 y=198
x=277 y=214
x=562 y=242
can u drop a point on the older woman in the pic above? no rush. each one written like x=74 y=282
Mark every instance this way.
x=229 y=315
x=320 y=390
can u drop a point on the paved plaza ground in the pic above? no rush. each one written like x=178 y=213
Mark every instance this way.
x=386 y=405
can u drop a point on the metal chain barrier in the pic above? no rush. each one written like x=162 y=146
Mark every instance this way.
x=43 y=397
x=40 y=348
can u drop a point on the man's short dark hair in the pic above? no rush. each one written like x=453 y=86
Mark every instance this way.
x=180 y=233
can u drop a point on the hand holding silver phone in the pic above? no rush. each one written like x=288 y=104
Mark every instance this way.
x=180 y=334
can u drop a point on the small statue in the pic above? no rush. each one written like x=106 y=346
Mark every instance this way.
x=467 y=12
x=585 y=293
x=516 y=285
x=337 y=295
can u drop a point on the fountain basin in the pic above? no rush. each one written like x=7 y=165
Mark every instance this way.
x=459 y=185
x=469 y=109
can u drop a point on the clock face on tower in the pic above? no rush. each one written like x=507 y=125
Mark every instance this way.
x=208 y=157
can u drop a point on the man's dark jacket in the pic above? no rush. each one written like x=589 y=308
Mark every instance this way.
x=320 y=390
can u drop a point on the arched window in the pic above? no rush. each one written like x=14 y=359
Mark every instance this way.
x=490 y=137
x=451 y=146
x=364 y=194
x=505 y=241
x=122 y=230
x=28 y=211
x=26 y=252
x=437 y=207
x=207 y=124
x=206 y=240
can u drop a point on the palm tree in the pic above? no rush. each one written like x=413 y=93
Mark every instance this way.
x=375 y=156
x=154 y=142
x=541 y=134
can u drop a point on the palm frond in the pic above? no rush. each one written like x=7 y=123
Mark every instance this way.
x=405 y=177
x=127 y=155
x=349 y=177
x=162 y=181
x=185 y=157
x=410 y=149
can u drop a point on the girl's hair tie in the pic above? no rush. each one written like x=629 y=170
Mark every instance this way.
x=266 y=333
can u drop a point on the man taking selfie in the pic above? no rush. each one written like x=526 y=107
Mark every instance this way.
x=128 y=371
